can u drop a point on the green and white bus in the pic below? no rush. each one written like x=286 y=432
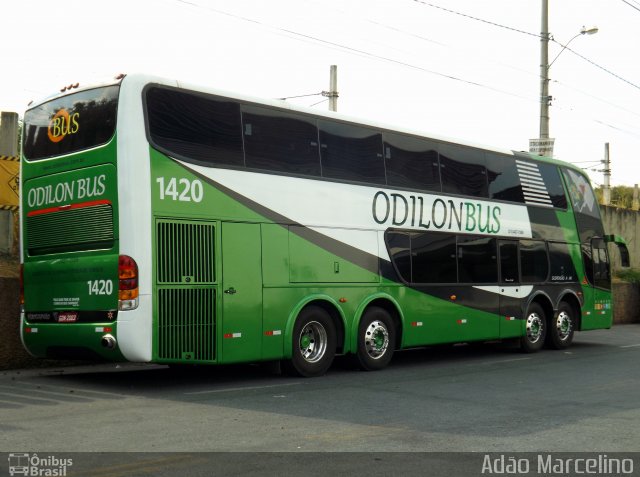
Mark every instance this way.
x=169 y=223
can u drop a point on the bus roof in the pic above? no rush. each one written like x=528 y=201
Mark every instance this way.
x=142 y=79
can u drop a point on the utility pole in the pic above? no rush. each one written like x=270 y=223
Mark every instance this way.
x=606 y=188
x=544 y=71
x=543 y=145
x=333 y=88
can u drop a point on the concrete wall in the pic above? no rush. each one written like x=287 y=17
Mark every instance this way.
x=8 y=133
x=626 y=296
x=12 y=353
x=8 y=147
x=625 y=223
x=626 y=303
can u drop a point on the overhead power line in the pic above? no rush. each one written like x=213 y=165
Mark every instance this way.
x=363 y=53
x=632 y=5
x=349 y=49
x=471 y=17
x=319 y=102
x=302 y=96
x=493 y=59
x=517 y=30
x=597 y=65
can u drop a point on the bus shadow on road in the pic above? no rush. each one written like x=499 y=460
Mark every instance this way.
x=446 y=390
x=156 y=380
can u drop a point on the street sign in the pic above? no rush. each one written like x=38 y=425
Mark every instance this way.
x=542 y=146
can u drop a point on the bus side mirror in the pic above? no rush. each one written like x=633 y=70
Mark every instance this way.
x=622 y=248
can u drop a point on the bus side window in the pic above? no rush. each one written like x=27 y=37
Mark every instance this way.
x=399 y=247
x=503 y=178
x=601 y=267
x=411 y=162
x=477 y=260
x=562 y=268
x=202 y=128
x=351 y=153
x=587 y=258
x=463 y=171
x=280 y=141
x=551 y=177
x=534 y=261
x=433 y=258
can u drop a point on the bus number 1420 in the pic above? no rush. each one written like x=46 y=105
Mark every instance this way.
x=100 y=287
x=182 y=190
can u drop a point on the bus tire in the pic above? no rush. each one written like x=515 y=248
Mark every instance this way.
x=561 y=329
x=535 y=329
x=314 y=343
x=376 y=339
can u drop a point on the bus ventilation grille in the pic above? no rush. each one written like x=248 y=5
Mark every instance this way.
x=85 y=228
x=186 y=330
x=185 y=252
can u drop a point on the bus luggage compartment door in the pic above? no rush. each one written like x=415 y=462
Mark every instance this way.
x=241 y=292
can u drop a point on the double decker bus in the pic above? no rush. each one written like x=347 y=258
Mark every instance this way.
x=170 y=223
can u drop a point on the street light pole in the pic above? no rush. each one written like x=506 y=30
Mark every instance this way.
x=583 y=31
x=544 y=145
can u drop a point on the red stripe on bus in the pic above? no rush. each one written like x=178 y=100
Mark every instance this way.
x=60 y=208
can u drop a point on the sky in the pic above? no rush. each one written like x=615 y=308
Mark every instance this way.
x=463 y=69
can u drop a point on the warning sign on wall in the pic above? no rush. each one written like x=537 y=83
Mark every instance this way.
x=9 y=182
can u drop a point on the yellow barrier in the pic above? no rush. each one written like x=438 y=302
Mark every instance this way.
x=9 y=187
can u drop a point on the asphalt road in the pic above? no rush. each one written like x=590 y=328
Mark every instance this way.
x=444 y=399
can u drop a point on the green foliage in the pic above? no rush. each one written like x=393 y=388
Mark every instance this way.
x=630 y=275
x=621 y=196
x=20 y=131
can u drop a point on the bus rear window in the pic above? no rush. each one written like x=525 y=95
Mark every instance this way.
x=71 y=123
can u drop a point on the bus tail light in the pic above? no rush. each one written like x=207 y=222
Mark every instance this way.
x=127 y=283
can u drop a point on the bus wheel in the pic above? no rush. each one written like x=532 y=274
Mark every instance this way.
x=562 y=327
x=376 y=339
x=314 y=343
x=536 y=329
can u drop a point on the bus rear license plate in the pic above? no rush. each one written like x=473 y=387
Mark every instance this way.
x=70 y=317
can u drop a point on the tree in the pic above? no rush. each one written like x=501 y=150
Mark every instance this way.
x=621 y=196
x=20 y=130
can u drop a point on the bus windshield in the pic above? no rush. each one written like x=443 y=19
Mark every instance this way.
x=71 y=123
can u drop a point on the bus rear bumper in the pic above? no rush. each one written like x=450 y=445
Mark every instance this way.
x=81 y=341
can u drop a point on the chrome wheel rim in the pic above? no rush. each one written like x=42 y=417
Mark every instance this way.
x=313 y=342
x=376 y=339
x=564 y=325
x=535 y=326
